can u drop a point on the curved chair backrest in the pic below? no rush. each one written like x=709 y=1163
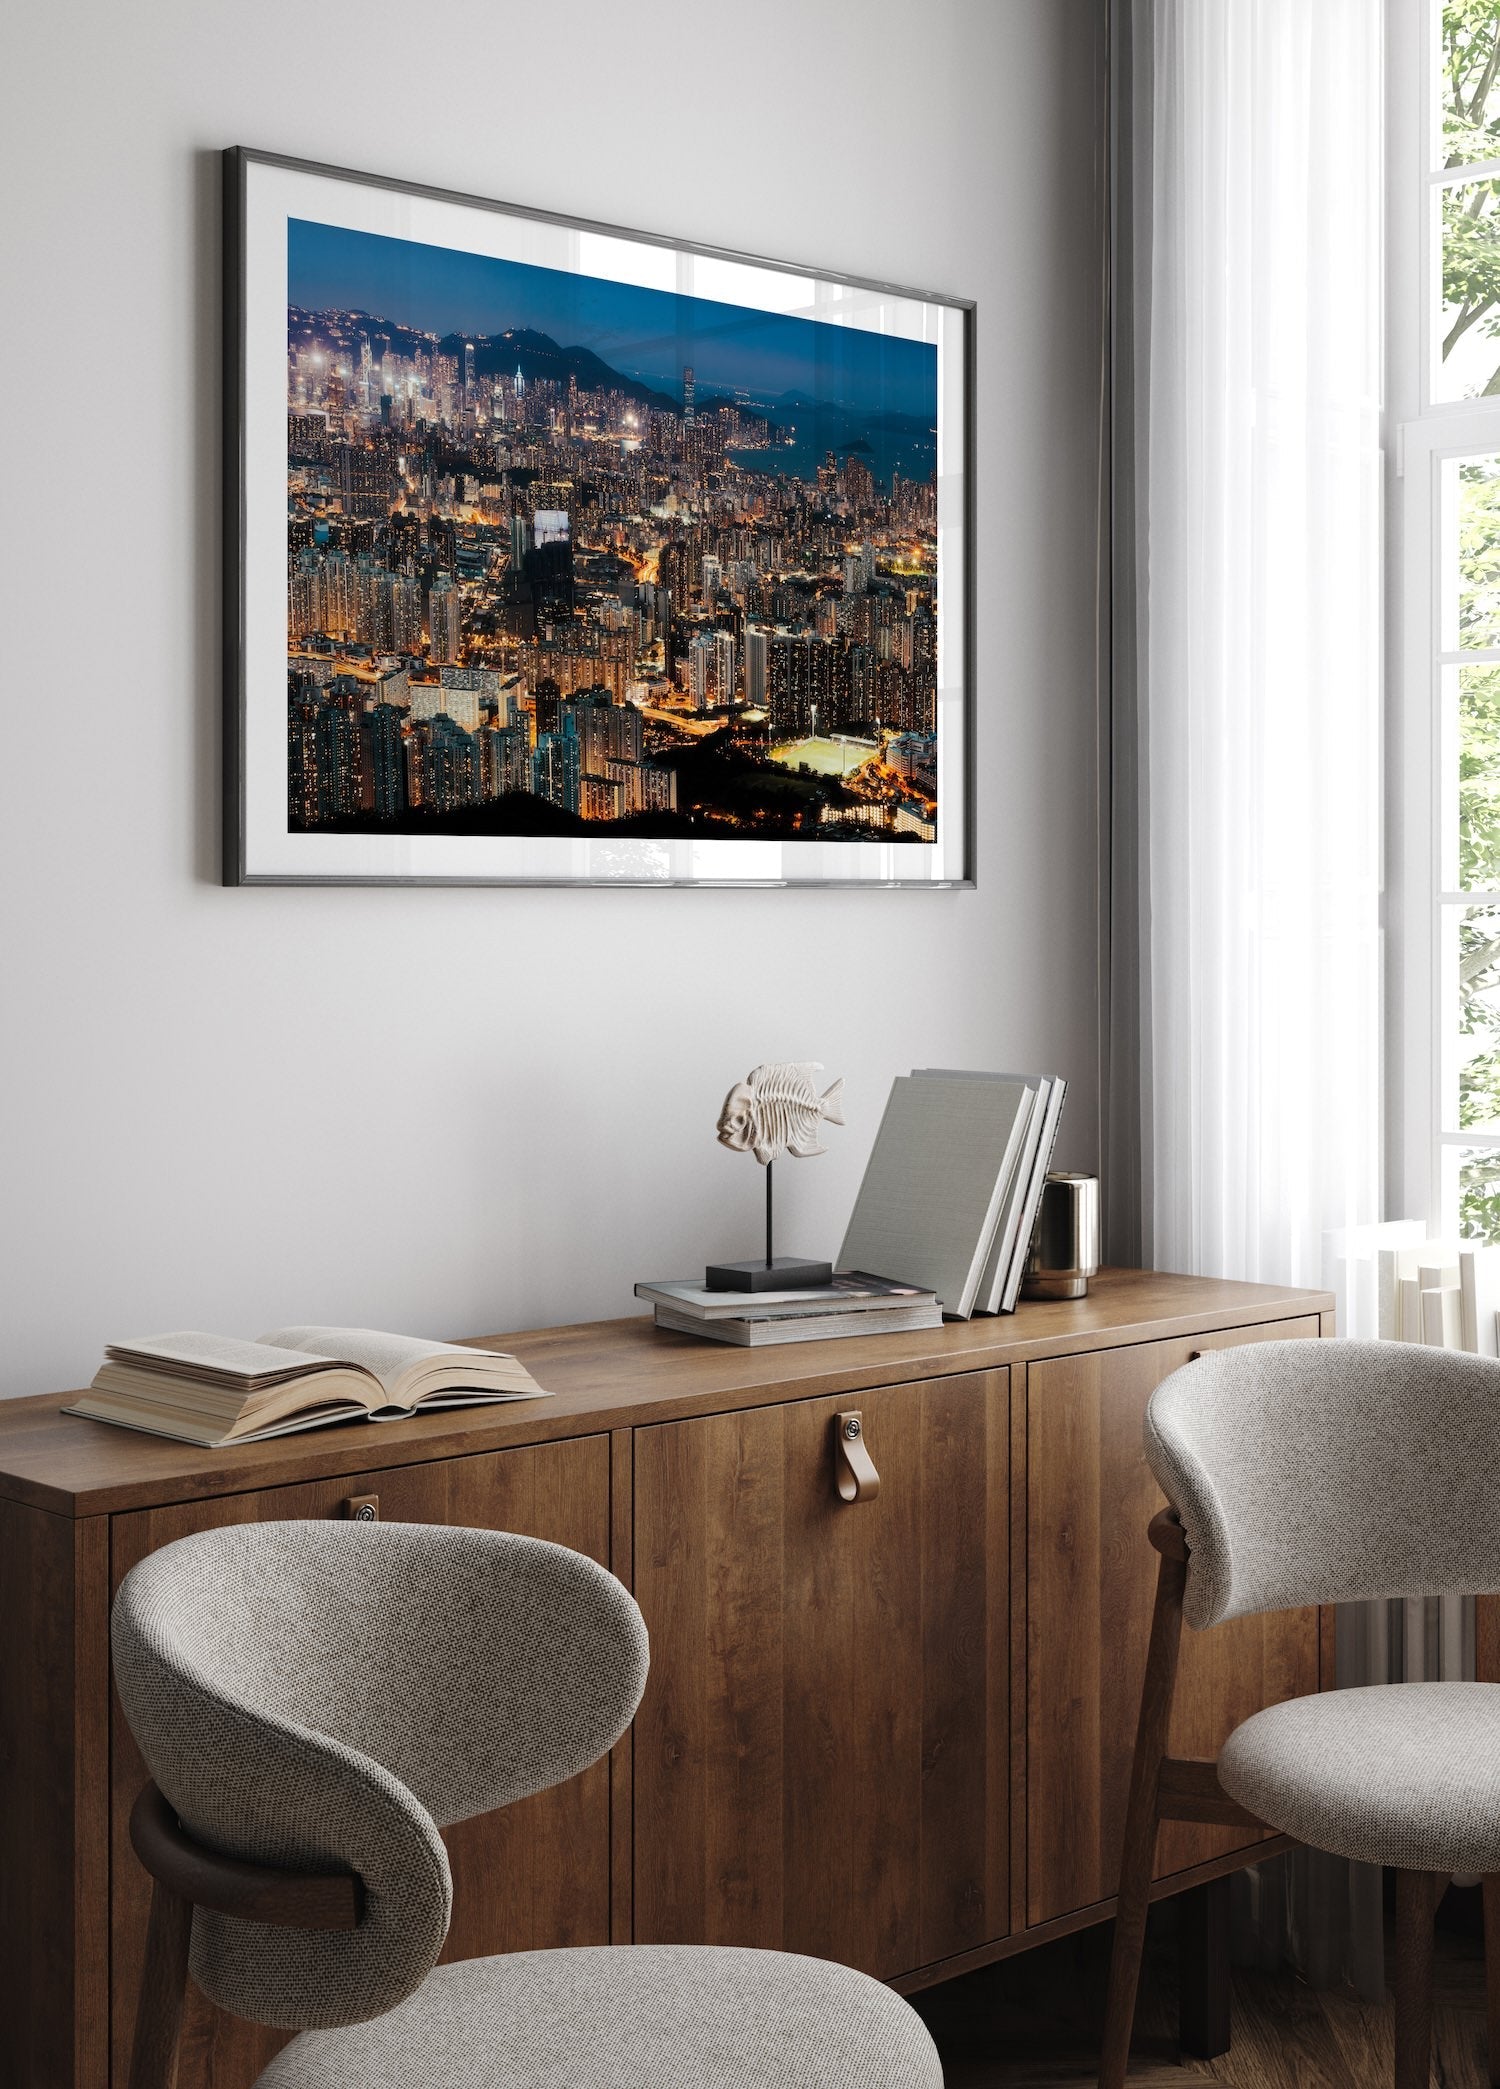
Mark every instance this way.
x=325 y=1696
x=1328 y=1472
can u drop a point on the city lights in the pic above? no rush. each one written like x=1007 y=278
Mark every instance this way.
x=531 y=592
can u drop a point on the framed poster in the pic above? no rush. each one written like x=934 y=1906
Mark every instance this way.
x=557 y=554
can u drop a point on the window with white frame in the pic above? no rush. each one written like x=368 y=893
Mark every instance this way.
x=1446 y=158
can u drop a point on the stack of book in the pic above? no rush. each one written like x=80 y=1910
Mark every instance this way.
x=952 y=1188
x=1446 y=1296
x=853 y=1304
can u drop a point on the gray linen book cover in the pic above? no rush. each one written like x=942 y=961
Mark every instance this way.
x=1002 y=1243
x=925 y=1212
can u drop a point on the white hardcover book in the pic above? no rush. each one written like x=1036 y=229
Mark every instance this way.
x=933 y=1184
x=1008 y=1218
x=1479 y=1296
x=1410 y=1324
x=1442 y=1320
x=1396 y=1260
x=1351 y=1270
x=1034 y=1190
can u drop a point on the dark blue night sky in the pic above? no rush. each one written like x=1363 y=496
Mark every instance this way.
x=646 y=334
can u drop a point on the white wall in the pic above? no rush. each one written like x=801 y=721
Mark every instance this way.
x=464 y=1111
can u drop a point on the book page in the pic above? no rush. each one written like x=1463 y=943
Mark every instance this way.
x=196 y=1352
x=394 y=1359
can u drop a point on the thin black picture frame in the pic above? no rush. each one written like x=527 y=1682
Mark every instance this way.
x=238 y=161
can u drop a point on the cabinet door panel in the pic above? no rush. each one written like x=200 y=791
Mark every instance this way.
x=534 y=1874
x=1091 y=1578
x=821 y=1756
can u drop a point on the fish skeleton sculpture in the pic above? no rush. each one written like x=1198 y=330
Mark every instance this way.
x=776 y=1109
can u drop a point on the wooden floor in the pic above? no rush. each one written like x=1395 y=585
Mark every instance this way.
x=1034 y=2020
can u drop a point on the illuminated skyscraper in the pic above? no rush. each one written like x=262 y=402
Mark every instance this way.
x=755 y=667
x=338 y=595
x=305 y=595
x=452 y=774
x=466 y=691
x=601 y=798
x=302 y=755
x=658 y=788
x=384 y=766
x=700 y=669
x=724 y=666
x=403 y=593
x=688 y=413
x=555 y=770
x=443 y=621
x=339 y=757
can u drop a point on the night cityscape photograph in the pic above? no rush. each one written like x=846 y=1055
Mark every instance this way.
x=571 y=556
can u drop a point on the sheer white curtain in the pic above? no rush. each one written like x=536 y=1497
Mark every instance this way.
x=1258 y=649
x=1246 y=686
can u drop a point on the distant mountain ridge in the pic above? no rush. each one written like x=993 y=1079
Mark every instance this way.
x=495 y=355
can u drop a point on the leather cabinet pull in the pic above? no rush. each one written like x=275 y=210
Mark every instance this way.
x=853 y=1469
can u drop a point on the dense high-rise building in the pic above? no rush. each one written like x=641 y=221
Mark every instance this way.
x=367 y=482
x=700 y=669
x=556 y=775
x=442 y=766
x=605 y=731
x=724 y=666
x=305 y=595
x=658 y=788
x=384 y=763
x=469 y=691
x=689 y=414
x=302 y=754
x=338 y=595
x=443 y=623
x=339 y=754
x=545 y=703
x=802 y=685
x=601 y=797
x=755 y=667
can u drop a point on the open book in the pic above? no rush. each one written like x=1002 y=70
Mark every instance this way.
x=212 y=1389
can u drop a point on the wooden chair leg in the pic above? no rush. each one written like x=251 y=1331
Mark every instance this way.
x=1417 y=1896
x=1204 y=1992
x=1139 y=1851
x=158 y=2021
x=1492 y=1971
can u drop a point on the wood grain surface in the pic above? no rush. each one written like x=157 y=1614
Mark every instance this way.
x=608 y=1374
x=821 y=1757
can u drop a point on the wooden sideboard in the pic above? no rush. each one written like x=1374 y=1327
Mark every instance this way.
x=894 y=1732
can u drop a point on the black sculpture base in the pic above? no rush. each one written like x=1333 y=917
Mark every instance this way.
x=786 y=1273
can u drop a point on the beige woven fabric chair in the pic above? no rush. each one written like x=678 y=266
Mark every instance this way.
x=1327 y=1472
x=314 y=1702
